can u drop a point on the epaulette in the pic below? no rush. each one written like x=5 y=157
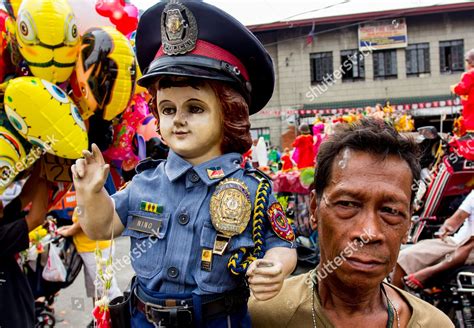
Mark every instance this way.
x=147 y=163
x=259 y=175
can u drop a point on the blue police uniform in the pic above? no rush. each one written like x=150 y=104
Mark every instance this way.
x=168 y=262
x=170 y=210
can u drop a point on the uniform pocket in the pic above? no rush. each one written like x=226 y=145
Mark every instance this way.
x=219 y=279
x=147 y=250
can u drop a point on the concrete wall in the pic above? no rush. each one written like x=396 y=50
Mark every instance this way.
x=291 y=55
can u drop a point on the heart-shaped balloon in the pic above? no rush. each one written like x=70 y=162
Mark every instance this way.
x=124 y=16
x=107 y=7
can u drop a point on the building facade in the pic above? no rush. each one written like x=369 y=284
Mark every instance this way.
x=321 y=68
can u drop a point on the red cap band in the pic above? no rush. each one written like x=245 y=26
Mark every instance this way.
x=209 y=50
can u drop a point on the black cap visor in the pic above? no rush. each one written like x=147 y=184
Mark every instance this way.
x=196 y=67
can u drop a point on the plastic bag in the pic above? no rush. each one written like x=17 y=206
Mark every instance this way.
x=54 y=269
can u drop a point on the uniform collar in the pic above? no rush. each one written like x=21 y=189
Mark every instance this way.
x=176 y=166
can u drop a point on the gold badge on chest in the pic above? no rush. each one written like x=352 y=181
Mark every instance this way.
x=230 y=209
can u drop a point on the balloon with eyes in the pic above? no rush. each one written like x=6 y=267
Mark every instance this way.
x=45 y=116
x=44 y=35
x=13 y=152
x=47 y=38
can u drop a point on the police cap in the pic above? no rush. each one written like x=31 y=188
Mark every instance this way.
x=196 y=39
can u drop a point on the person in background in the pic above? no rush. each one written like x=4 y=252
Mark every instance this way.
x=318 y=137
x=274 y=158
x=430 y=257
x=287 y=162
x=16 y=297
x=378 y=112
x=254 y=153
x=465 y=89
x=86 y=249
x=303 y=144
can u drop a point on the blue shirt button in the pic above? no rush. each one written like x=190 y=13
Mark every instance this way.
x=173 y=272
x=183 y=219
x=193 y=177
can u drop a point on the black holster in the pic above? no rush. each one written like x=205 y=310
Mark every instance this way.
x=120 y=308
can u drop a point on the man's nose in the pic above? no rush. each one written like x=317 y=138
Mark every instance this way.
x=368 y=228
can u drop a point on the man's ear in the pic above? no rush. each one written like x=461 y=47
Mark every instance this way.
x=312 y=209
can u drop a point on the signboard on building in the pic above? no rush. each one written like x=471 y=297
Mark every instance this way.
x=385 y=34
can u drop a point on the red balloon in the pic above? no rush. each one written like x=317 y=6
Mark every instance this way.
x=123 y=16
x=5 y=62
x=107 y=7
x=127 y=25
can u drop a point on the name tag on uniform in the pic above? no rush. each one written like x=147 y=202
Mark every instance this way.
x=146 y=225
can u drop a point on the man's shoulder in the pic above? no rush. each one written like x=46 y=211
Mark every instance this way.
x=423 y=313
x=278 y=311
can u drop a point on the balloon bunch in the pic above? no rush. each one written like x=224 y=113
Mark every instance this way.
x=123 y=15
x=62 y=89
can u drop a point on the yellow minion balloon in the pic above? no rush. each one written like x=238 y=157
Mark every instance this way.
x=12 y=153
x=48 y=38
x=105 y=73
x=44 y=115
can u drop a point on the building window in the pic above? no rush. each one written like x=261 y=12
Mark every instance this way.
x=321 y=66
x=451 y=56
x=352 y=65
x=256 y=133
x=385 y=64
x=418 y=58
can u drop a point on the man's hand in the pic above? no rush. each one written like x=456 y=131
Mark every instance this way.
x=265 y=279
x=90 y=173
x=452 y=224
x=446 y=229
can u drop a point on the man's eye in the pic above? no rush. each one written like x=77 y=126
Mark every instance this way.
x=347 y=203
x=168 y=110
x=391 y=211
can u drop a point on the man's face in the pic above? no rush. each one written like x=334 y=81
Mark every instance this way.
x=190 y=122
x=363 y=217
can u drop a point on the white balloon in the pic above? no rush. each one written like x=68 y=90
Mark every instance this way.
x=87 y=16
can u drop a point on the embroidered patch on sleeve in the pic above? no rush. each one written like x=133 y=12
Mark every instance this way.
x=279 y=223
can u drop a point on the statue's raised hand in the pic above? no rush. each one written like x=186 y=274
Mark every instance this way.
x=90 y=173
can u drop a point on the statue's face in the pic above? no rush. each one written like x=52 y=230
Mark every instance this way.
x=191 y=122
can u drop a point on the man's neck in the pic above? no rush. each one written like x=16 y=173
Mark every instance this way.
x=349 y=299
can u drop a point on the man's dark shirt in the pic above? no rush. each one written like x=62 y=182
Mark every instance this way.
x=16 y=298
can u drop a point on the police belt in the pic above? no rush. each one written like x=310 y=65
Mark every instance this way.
x=179 y=313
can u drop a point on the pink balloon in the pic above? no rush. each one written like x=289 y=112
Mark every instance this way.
x=131 y=10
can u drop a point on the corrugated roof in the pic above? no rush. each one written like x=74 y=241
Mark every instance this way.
x=354 y=11
x=259 y=12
